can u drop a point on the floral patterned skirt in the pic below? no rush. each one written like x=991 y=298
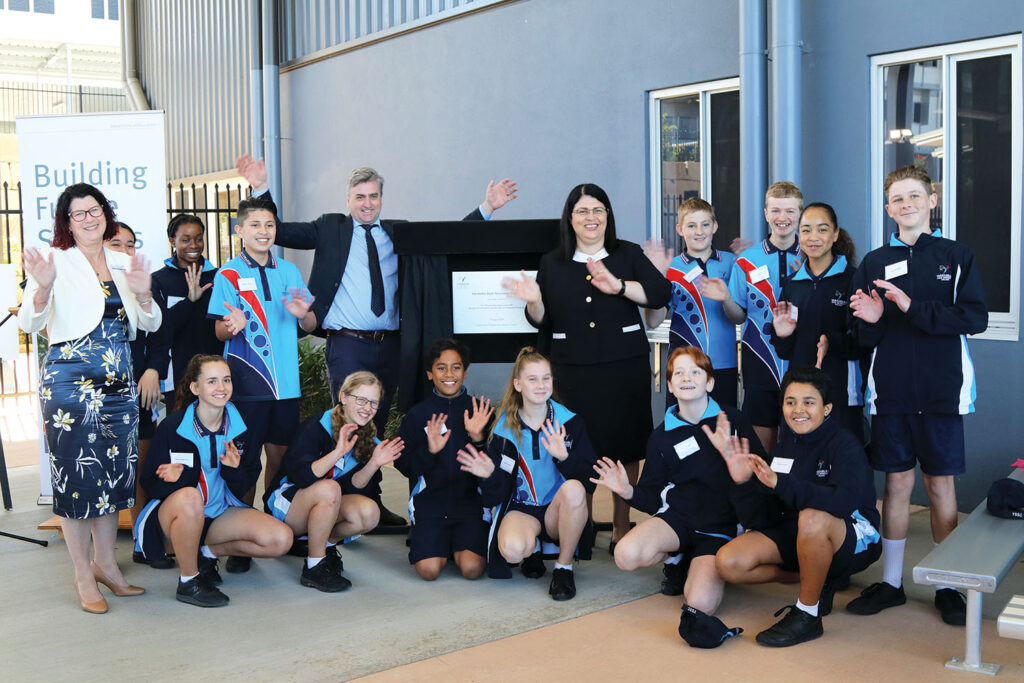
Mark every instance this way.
x=91 y=416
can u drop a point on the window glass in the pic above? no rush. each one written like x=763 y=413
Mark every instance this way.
x=725 y=165
x=680 y=160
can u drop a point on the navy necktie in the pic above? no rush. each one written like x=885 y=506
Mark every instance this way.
x=376 y=278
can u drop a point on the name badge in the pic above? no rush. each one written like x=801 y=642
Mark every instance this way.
x=246 y=284
x=782 y=465
x=688 y=447
x=181 y=459
x=444 y=429
x=793 y=312
x=759 y=275
x=507 y=464
x=558 y=335
x=631 y=328
x=694 y=273
x=894 y=270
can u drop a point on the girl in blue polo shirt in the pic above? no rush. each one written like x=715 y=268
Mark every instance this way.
x=533 y=471
x=193 y=478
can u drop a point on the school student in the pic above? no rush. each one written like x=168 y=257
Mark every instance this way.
x=810 y=512
x=685 y=486
x=700 y=291
x=755 y=286
x=533 y=473
x=194 y=477
x=810 y=324
x=447 y=515
x=258 y=302
x=329 y=482
x=915 y=300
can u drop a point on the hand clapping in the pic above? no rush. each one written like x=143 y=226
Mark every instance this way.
x=475 y=462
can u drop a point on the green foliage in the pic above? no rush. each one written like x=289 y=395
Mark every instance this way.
x=314 y=387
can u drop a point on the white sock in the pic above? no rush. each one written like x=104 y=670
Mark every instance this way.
x=313 y=561
x=892 y=561
x=186 y=579
x=563 y=566
x=810 y=609
x=205 y=550
x=674 y=559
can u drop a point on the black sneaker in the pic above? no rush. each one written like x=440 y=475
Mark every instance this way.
x=208 y=570
x=952 y=606
x=675 y=578
x=563 y=585
x=237 y=564
x=389 y=518
x=300 y=548
x=877 y=597
x=324 y=577
x=828 y=593
x=200 y=592
x=796 y=627
x=533 y=566
x=164 y=562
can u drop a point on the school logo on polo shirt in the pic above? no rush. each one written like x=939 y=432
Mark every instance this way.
x=944 y=274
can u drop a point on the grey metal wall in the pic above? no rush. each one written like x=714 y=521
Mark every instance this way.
x=193 y=64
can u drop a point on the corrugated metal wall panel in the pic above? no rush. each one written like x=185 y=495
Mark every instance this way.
x=193 y=64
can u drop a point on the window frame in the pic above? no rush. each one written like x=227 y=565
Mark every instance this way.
x=703 y=90
x=1001 y=326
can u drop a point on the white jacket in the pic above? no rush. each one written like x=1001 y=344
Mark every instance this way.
x=76 y=301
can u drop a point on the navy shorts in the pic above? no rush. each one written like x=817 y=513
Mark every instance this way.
x=860 y=549
x=537 y=512
x=936 y=441
x=762 y=408
x=692 y=542
x=442 y=537
x=270 y=421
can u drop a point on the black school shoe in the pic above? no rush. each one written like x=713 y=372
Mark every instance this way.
x=208 y=570
x=200 y=592
x=828 y=593
x=563 y=585
x=334 y=557
x=237 y=564
x=952 y=606
x=796 y=627
x=533 y=566
x=675 y=577
x=875 y=598
x=165 y=562
x=300 y=548
x=324 y=577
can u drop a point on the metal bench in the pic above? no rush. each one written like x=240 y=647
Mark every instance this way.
x=975 y=557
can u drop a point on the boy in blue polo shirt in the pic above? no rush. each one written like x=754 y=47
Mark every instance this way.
x=755 y=285
x=915 y=300
x=258 y=301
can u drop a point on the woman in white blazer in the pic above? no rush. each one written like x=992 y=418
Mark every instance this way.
x=91 y=301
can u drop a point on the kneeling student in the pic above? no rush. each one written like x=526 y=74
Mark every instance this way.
x=448 y=518
x=811 y=514
x=193 y=478
x=326 y=487
x=685 y=485
x=533 y=472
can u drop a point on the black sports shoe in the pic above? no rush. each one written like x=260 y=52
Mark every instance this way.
x=952 y=606
x=164 y=562
x=877 y=597
x=796 y=627
x=300 y=547
x=389 y=518
x=237 y=564
x=828 y=593
x=200 y=592
x=324 y=577
x=334 y=557
x=533 y=566
x=208 y=570
x=563 y=585
x=675 y=577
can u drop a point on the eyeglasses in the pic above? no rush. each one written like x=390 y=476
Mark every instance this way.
x=79 y=216
x=362 y=402
x=596 y=211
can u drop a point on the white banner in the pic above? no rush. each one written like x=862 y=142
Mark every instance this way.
x=122 y=154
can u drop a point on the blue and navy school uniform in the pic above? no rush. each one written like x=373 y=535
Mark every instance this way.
x=758 y=295
x=701 y=322
x=314 y=439
x=145 y=357
x=220 y=485
x=686 y=483
x=186 y=330
x=526 y=477
x=829 y=472
x=823 y=304
x=445 y=509
x=919 y=360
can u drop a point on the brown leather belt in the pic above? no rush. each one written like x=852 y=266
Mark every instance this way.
x=369 y=335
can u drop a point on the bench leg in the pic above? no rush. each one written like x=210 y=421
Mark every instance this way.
x=972 y=657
